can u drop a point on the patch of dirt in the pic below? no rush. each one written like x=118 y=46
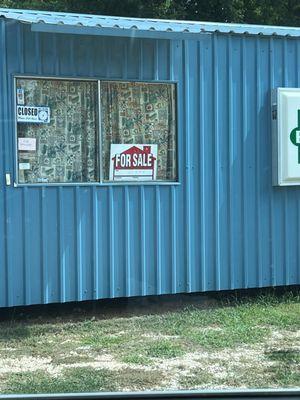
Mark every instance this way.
x=235 y=366
x=28 y=364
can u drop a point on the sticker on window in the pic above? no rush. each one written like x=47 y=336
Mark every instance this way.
x=133 y=162
x=24 y=166
x=20 y=97
x=27 y=144
x=31 y=114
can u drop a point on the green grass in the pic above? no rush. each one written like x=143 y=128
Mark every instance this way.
x=80 y=380
x=164 y=349
x=289 y=356
x=73 y=380
x=286 y=369
x=100 y=341
x=138 y=359
x=196 y=378
x=144 y=342
x=229 y=336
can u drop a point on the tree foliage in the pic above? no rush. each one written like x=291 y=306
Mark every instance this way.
x=279 y=12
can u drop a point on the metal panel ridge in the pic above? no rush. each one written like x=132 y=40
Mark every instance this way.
x=42 y=18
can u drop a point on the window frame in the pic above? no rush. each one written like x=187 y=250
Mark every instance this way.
x=101 y=182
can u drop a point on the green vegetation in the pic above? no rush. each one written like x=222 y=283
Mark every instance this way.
x=279 y=12
x=164 y=349
x=234 y=343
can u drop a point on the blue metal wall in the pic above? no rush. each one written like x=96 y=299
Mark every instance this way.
x=223 y=227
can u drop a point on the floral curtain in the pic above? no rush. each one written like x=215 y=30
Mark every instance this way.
x=140 y=113
x=67 y=147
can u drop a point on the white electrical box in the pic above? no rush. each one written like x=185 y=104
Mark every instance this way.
x=286 y=136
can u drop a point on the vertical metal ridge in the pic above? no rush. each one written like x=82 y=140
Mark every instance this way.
x=78 y=241
x=271 y=208
x=26 y=248
x=158 y=240
x=108 y=58
x=243 y=175
x=143 y=240
x=173 y=191
x=171 y=60
x=257 y=163
x=230 y=164
x=44 y=253
x=141 y=64
x=39 y=65
x=186 y=124
x=174 y=239
x=111 y=241
x=144 y=282
x=156 y=61
x=202 y=243
x=57 y=72
x=37 y=50
x=72 y=57
x=9 y=169
x=95 y=244
x=61 y=246
x=26 y=234
x=216 y=162
x=3 y=161
x=25 y=230
x=60 y=289
x=125 y=60
x=42 y=195
x=94 y=204
x=21 y=48
x=57 y=63
x=127 y=242
x=157 y=194
x=286 y=231
x=24 y=216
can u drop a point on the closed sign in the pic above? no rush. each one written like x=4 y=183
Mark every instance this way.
x=31 y=114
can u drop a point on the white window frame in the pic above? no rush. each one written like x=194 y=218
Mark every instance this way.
x=100 y=182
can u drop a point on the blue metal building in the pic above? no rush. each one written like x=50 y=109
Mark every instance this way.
x=221 y=226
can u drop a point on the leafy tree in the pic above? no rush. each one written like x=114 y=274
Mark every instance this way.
x=279 y=12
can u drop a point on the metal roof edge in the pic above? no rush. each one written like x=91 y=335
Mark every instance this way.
x=162 y=26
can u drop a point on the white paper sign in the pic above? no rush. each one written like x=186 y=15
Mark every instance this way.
x=30 y=114
x=133 y=162
x=27 y=144
x=24 y=166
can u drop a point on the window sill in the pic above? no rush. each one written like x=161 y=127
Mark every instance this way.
x=104 y=184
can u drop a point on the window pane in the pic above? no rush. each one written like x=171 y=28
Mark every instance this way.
x=140 y=113
x=62 y=146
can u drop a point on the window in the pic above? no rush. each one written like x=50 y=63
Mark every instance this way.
x=139 y=113
x=62 y=137
x=57 y=125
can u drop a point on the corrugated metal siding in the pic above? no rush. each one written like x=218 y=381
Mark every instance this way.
x=224 y=227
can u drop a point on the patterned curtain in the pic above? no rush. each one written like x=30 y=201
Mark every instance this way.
x=67 y=148
x=140 y=113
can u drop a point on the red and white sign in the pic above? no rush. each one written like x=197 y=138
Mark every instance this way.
x=133 y=162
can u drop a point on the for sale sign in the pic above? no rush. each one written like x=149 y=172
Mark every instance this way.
x=133 y=162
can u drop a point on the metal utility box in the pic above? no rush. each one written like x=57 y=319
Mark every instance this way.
x=136 y=157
